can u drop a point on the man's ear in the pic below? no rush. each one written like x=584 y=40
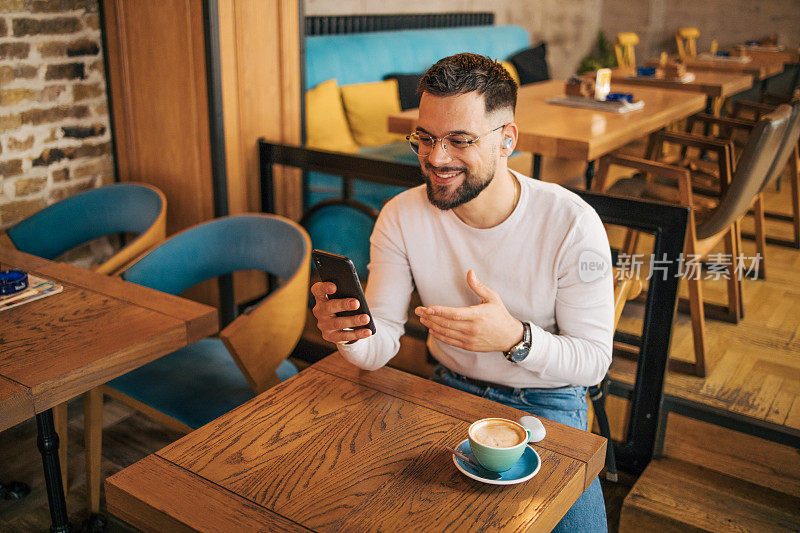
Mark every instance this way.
x=510 y=132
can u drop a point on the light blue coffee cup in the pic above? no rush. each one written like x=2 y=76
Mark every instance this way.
x=498 y=459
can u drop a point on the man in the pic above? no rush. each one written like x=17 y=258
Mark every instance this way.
x=496 y=259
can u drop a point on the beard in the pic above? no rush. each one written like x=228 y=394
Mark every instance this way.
x=470 y=187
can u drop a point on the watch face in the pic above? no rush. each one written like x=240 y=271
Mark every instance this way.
x=518 y=354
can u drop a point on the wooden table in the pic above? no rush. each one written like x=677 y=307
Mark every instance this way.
x=59 y=347
x=712 y=83
x=582 y=134
x=715 y=84
x=338 y=448
x=786 y=56
x=760 y=69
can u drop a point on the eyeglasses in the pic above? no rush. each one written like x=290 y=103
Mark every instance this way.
x=422 y=143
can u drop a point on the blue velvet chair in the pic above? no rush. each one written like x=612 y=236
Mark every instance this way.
x=134 y=208
x=342 y=227
x=196 y=384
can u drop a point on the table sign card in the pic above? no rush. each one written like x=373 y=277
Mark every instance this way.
x=602 y=84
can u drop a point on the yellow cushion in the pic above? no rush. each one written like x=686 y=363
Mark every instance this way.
x=509 y=66
x=326 y=123
x=368 y=106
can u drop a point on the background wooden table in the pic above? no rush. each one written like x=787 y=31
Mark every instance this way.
x=786 y=56
x=576 y=133
x=96 y=329
x=337 y=448
x=712 y=83
x=581 y=134
x=759 y=68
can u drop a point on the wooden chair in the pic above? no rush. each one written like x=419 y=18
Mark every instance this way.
x=707 y=227
x=623 y=49
x=342 y=226
x=788 y=159
x=131 y=208
x=686 y=39
x=192 y=386
x=712 y=180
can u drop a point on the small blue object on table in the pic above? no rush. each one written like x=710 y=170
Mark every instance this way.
x=645 y=71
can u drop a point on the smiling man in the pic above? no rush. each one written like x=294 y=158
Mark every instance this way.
x=496 y=259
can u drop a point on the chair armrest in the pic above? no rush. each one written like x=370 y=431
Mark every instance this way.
x=736 y=123
x=693 y=140
x=261 y=340
x=775 y=98
x=758 y=107
x=681 y=175
x=645 y=165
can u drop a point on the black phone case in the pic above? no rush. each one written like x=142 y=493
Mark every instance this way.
x=340 y=270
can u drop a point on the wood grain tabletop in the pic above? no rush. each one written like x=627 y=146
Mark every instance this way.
x=96 y=329
x=582 y=134
x=713 y=83
x=786 y=55
x=338 y=448
x=759 y=68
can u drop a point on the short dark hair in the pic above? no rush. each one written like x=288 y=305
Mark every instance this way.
x=465 y=73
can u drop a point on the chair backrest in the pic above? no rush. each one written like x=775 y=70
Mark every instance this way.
x=623 y=48
x=260 y=340
x=751 y=171
x=120 y=208
x=686 y=39
x=788 y=144
x=342 y=227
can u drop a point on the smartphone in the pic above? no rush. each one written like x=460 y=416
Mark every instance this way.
x=340 y=271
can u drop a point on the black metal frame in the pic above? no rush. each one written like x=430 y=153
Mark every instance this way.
x=667 y=224
x=342 y=24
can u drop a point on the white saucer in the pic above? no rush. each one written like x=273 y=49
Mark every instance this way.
x=524 y=469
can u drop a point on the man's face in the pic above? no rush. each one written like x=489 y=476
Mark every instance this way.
x=456 y=176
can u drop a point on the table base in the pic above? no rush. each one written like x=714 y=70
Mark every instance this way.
x=47 y=443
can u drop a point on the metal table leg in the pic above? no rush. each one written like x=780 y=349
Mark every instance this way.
x=589 y=176
x=536 y=171
x=48 y=447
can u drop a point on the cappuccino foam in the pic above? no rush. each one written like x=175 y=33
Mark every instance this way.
x=498 y=434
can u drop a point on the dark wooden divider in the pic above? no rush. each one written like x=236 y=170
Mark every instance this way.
x=666 y=223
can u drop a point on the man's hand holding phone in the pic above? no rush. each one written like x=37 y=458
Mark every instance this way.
x=338 y=329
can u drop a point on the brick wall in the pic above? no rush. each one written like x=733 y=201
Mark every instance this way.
x=55 y=138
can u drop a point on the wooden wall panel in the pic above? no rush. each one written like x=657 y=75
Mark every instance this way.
x=157 y=74
x=261 y=95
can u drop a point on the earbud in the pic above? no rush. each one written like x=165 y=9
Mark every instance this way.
x=507 y=142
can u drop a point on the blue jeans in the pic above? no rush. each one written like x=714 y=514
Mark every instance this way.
x=566 y=405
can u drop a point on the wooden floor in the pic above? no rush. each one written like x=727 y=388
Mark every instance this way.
x=755 y=364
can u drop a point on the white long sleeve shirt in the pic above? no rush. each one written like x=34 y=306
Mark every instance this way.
x=549 y=261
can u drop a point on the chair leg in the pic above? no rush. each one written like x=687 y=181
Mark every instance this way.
x=93 y=440
x=761 y=245
x=735 y=307
x=737 y=231
x=794 y=181
x=61 y=422
x=698 y=325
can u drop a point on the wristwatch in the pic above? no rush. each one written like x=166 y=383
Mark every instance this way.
x=520 y=351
